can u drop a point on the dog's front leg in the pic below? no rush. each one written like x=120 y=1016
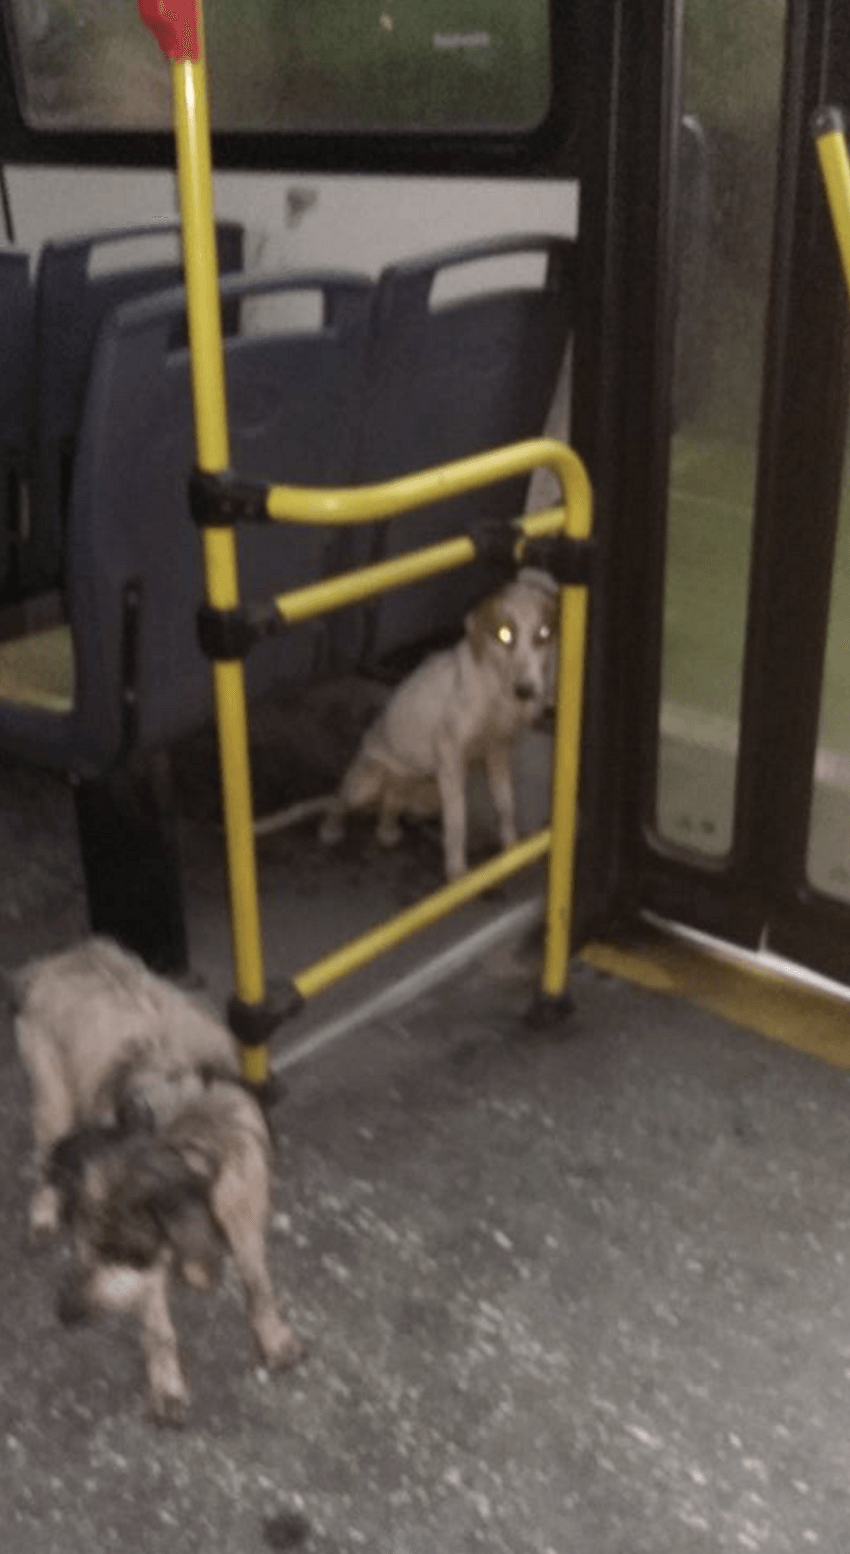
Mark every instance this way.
x=142 y=1293
x=500 y=779
x=53 y=1118
x=167 y=1389
x=451 y=782
x=240 y=1205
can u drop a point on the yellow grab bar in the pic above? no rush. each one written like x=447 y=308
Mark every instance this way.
x=181 y=35
x=194 y=178
x=828 y=129
x=302 y=505
x=333 y=593
x=359 y=952
x=362 y=504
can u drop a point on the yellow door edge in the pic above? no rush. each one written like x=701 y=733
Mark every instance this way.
x=756 y=998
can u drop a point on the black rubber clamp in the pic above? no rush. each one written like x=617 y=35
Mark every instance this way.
x=496 y=543
x=551 y=1012
x=221 y=498
x=827 y=120
x=225 y=635
x=568 y=561
x=253 y=1025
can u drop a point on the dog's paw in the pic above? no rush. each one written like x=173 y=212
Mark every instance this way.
x=280 y=1345
x=168 y=1394
x=168 y=1409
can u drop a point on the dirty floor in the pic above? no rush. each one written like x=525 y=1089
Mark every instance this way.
x=582 y=1292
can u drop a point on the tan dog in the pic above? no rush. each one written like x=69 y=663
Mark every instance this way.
x=149 y=1147
x=466 y=704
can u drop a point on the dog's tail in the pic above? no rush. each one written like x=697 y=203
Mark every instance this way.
x=293 y=815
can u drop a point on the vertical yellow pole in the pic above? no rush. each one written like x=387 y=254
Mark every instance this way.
x=194 y=174
x=567 y=746
x=828 y=130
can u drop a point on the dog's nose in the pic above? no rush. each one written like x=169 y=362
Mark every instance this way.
x=524 y=690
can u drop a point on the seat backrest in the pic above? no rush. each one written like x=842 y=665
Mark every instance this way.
x=290 y=395
x=16 y=387
x=466 y=354
x=73 y=295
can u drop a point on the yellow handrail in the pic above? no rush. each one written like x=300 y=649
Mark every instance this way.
x=361 y=504
x=572 y=516
x=359 y=952
x=333 y=593
x=830 y=140
x=194 y=178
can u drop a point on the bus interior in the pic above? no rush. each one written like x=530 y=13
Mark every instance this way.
x=572 y=1286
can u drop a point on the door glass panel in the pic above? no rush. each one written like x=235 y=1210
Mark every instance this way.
x=732 y=72
x=829 y=833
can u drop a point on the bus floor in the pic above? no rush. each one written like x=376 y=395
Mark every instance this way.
x=576 y=1291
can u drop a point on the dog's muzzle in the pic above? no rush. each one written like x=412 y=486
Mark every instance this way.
x=525 y=691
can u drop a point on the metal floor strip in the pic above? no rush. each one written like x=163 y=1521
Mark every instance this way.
x=438 y=968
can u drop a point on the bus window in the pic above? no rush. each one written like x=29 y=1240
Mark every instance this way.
x=382 y=66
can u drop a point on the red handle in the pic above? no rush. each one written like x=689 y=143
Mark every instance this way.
x=175 y=23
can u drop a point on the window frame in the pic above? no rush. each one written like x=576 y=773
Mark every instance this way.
x=547 y=149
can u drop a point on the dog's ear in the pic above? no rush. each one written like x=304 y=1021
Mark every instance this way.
x=157 y=1201
x=536 y=577
x=197 y=1242
x=159 y=1180
x=481 y=623
x=552 y=612
x=179 y=1205
x=71 y=1156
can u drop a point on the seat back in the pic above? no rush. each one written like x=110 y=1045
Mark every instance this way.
x=289 y=398
x=73 y=295
x=376 y=383
x=453 y=375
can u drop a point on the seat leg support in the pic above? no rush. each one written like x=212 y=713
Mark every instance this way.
x=128 y=834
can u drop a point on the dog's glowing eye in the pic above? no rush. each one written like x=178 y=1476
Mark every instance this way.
x=544 y=633
x=505 y=636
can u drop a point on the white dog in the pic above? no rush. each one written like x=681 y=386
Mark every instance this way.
x=148 y=1146
x=466 y=704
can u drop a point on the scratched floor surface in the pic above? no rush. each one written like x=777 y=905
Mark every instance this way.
x=582 y=1293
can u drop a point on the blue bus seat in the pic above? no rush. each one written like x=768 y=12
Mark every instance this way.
x=454 y=377
x=104 y=696
x=72 y=298
x=130 y=535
